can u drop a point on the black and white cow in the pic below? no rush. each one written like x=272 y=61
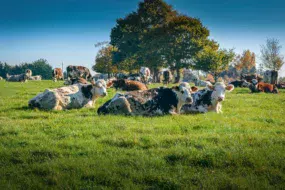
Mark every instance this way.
x=208 y=99
x=19 y=78
x=153 y=102
x=69 y=97
x=240 y=83
x=78 y=72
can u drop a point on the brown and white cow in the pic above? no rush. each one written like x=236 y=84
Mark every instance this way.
x=75 y=81
x=78 y=72
x=128 y=85
x=267 y=88
x=19 y=78
x=36 y=77
x=208 y=99
x=57 y=74
x=153 y=102
x=69 y=97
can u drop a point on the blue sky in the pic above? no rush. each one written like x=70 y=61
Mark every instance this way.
x=66 y=30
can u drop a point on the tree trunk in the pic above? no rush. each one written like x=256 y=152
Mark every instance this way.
x=177 y=78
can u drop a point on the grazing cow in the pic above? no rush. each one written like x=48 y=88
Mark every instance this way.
x=240 y=83
x=37 y=77
x=78 y=72
x=153 y=102
x=128 y=85
x=167 y=77
x=69 y=97
x=250 y=77
x=208 y=99
x=270 y=77
x=75 y=81
x=267 y=88
x=19 y=78
x=57 y=74
x=145 y=74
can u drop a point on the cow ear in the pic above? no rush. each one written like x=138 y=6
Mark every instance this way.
x=230 y=87
x=176 y=88
x=211 y=87
x=194 y=89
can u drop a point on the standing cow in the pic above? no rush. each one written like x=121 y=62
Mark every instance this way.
x=145 y=74
x=270 y=77
x=78 y=72
x=167 y=77
x=57 y=74
x=19 y=78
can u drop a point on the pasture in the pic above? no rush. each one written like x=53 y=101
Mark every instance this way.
x=77 y=149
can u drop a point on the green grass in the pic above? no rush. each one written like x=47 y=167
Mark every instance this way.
x=243 y=148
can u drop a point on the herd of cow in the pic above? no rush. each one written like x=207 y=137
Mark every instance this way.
x=138 y=100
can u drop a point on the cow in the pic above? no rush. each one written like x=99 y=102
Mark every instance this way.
x=57 y=74
x=19 y=78
x=153 y=102
x=36 y=77
x=253 y=86
x=75 y=81
x=267 y=88
x=250 y=77
x=167 y=77
x=69 y=97
x=145 y=74
x=240 y=83
x=202 y=83
x=208 y=99
x=78 y=72
x=128 y=85
x=270 y=77
x=135 y=77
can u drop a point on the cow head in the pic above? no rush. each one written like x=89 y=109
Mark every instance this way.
x=219 y=91
x=99 y=88
x=28 y=73
x=183 y=93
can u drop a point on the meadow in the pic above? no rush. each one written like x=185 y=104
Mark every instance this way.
x=243 y=148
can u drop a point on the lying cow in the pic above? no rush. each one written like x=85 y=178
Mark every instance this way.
x=153 y=102
x=19 y=78
x=202 y=83
x=36 y=77
x=240 y=83
x=267 y=88
x=208 y=99
x=75 y=81
x=78 y=72
x=69 y=97
x=128 y=85
x=57 y=74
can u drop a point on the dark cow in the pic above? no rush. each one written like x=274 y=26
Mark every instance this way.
x=250 y=77
x=78 y=72
x=19 y=78
x=69 y=97
x=208 y=99
x=153 y=102
x=167 y=77
x=57 y=74
x=128 y=85
x=281 y=85
x=240 y=83
x=270 y=77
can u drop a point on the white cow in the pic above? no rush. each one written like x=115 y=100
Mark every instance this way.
x=70 y=97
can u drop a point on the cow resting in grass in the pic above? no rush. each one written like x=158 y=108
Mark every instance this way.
x=36 y=77
x=208 y=99
x=69 y=97
x=19 y=78
x=153 y=102
x=128 y=85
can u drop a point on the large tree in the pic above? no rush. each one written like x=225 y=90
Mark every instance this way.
x=103 y=61
x=214 y=61
x=271 y=55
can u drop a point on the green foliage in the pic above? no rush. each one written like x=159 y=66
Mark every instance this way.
x=243 y=148
x=38 y=67
x=214 y=61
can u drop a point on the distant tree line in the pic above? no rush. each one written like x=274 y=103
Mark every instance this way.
x=38 y=67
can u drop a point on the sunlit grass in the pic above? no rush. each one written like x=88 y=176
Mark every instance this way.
x=241 y=148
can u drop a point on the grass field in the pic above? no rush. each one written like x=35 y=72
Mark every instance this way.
x=243 y=148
